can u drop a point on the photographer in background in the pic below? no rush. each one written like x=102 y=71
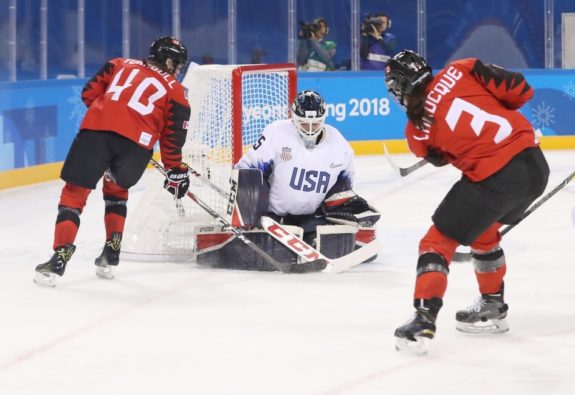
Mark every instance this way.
x=377 y=44
x=314 y=52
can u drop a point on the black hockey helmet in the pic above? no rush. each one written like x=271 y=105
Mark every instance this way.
x=404 y=72
x=168 y=47
x=308 y=115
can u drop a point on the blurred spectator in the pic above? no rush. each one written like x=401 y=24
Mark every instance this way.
x=314 y=52
x=207 y=59
x=377 y=44
x=258 y=55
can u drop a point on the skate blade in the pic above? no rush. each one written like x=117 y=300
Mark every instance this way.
x=419 y=347
x=46 y=279
x=490 y=326
x=105 y=272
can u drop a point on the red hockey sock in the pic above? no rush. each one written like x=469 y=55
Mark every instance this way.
x=116 y=199
x=114 y=224
x=436 y=242
x=490 y=282
x=72 y=201
x=430 y=285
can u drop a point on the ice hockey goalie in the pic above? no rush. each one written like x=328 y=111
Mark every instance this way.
x=335 y=229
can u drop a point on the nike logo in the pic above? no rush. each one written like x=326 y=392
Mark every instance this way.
x=337 y=165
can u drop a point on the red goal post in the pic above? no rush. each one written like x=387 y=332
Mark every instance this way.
x=230 y=107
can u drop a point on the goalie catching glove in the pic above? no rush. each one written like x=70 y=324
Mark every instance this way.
x=354 y=210
x=177 y=180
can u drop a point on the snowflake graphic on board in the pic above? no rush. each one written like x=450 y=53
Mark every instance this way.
x=48 y=144
x=569 y=90
x=78 y=107
x=543 y=115
x=30 y=116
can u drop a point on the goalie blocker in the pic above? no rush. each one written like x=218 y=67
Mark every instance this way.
x=352 y=226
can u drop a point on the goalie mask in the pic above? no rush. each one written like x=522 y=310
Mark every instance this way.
x=168 y=47
x=308 y=116
x=405 y=72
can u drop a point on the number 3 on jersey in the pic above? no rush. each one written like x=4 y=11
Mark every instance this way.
x=459 y=106
x=136 y=101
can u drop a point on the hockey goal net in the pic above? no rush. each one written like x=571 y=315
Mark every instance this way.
x=230 y=106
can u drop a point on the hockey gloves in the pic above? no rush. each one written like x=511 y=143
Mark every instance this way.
x=436 y=157
x=354 y=211
x=177 y=180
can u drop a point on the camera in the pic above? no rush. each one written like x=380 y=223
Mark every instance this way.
x=370 y=23
x=307 y=29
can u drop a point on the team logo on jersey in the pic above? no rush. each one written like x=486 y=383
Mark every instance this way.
x=309 y=180
x=145 y=138
x=286 y=154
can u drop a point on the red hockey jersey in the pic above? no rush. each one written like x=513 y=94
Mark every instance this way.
x=475 y=122
x=140 y=102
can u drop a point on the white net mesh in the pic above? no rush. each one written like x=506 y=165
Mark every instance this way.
x=157 y=228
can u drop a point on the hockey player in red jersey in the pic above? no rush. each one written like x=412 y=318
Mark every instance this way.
x=132 y=104
x=467 y=116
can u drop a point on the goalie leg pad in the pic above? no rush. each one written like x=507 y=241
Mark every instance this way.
x=335 y=241
x=365 y=235
x=249 y=196
x=221 y=249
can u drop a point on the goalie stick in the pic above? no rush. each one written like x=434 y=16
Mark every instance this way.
x=403 y=171
x=285 y=267
x=307 y=252
x=466 y=256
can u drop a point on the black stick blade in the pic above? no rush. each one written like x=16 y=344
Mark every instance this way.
x=307 y=267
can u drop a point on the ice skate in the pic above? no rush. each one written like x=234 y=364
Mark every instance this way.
x=109 y=258
x=413 y=337
x=486 y=315
x=48 y=273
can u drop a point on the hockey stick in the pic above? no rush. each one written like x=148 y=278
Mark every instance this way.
x=466 y=256
x=311 y=266
x=306 y=251
x=403 y=171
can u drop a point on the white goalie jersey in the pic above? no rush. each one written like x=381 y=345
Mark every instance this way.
x=299 y=178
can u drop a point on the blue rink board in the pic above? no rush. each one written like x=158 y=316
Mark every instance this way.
x=39 y=119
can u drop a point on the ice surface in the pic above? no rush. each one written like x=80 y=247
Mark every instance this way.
x=176 y=328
